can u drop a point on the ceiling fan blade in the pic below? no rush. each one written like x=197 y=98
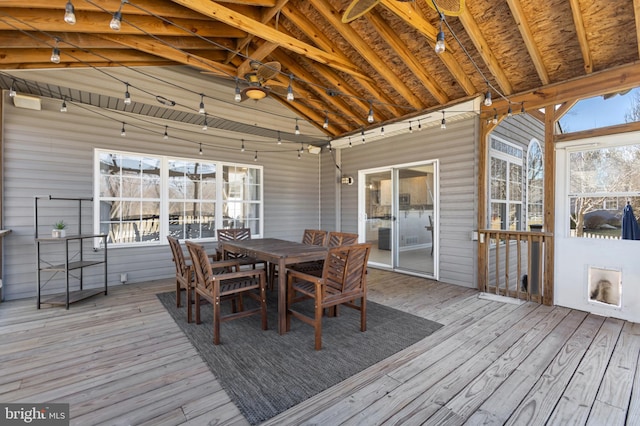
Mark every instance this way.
x=447 y=7
x=268 y=70
x=357 y=8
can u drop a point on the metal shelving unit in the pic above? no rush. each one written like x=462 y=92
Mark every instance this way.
x=73 y=247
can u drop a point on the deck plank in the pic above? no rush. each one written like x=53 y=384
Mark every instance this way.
x=121 y=359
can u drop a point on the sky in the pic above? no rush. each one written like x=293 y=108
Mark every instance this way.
x=597 y=112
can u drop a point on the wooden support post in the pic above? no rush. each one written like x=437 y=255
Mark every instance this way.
x=549 y=201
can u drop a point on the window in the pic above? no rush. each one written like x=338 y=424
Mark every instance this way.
x=535 y=184
x=142 y=198
x=505 y=185
x=601 y=183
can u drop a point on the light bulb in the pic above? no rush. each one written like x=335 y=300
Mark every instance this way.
x=443 y=124
x=122 y=132
x=166 y=135
x=202 y=110
x=370 y=117
x=326 y=123
x=487 y=99
x=200 y=152
x=509 y=112
x=12 y=91
x=127 y=95
x=69 y=13
x=290 y=96
x=382 y=131
x=297 y=132
x=55 y=55
x=116 y=21
x=440 y=46
x=63 y=108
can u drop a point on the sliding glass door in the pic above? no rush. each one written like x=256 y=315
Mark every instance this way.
x=398 y=216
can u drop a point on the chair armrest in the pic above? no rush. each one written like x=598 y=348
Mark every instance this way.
x=239 y=274
x=303 y=276
x=234 y=264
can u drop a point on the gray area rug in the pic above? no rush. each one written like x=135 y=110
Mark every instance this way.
x=265 y=373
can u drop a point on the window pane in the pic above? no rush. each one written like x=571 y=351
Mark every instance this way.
x=498 y=216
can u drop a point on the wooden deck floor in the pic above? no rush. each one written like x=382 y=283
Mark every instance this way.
x=121 y=360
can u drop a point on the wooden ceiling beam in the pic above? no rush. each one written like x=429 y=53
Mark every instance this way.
x=407 y=14
x=367 y=53
x=390 y=36
x=490 y=60
x=527 y=37
x=582 y=36
x=337 y=104
x=321 y=40
x=94 y=64
x=595 y=84
x=8 y=56
x=164 y=51
x=138 y=7
x=95 y=22
x=218 y=12
x=267 y=16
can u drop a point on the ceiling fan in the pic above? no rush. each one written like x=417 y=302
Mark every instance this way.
x=357 y=8
x=259 y=80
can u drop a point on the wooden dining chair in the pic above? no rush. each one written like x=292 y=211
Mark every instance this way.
x=343 y=282
x=335 y=239
x=214 y=288
x=185 y=276
x=237 y=234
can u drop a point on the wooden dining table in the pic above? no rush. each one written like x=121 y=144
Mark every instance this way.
x=281 y=253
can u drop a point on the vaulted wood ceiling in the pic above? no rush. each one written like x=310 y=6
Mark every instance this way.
x=384 y=60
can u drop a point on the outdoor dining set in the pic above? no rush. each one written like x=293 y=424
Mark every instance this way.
x=328 y=267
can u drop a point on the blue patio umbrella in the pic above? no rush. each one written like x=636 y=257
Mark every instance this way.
x=630 y=229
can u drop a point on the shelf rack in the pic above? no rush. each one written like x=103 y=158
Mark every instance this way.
x=72 y=243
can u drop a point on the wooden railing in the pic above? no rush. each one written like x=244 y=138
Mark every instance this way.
x=513 y=264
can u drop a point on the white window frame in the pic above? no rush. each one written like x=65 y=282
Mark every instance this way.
x=528 y=203
x=510 y=158
x=164 y=195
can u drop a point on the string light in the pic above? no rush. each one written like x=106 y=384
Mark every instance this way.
x=509 y=111
x=290 y=96
x=410 y=127
x=443 y=123
x=202 y=110
x=299 y=157
x=116 y=21
x=63 y=108
x=301 y=148
x=127 y=95
x=69 y=13
x=440 y=46
x=329 y=146
x=205 y=127
x=200 y=152
x=362 y=134
x=123 y=133
x=419 y=125
x=279 y=138
x=166 y=134
x=55 y=53
x=370 y=117
x=242 y=147
x=350 y=145
x=255 y=157
x=522 y=109
x=382 y=131
x=495 y=117
x=238 y=96
x=12 y=91
x=487 y=99
x=297 y=131
x=326 y=120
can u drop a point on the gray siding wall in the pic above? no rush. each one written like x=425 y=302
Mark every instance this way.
x=330 y=196
x=51 y=153
x=455 y=149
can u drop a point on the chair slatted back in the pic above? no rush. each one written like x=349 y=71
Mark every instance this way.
x=337 y=239
x=314 y=237
x=345 y=269
x=204 y=272
x=234 y=234
x=178 y=258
